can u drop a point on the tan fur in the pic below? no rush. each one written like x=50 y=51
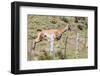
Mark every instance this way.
x=47 y=33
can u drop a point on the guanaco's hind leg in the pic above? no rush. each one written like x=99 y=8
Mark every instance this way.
x=38 y=39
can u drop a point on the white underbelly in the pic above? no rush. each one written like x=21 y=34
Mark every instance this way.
x=49 y=35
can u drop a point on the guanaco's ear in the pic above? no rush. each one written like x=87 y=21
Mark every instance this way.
x=69 y=27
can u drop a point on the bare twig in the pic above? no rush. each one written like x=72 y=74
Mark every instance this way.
x=65 y=46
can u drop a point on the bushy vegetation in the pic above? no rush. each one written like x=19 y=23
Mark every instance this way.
x=41 y=52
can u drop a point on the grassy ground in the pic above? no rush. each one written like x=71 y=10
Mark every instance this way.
x=41 y=52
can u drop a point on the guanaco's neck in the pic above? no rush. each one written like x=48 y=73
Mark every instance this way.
x=62 y=30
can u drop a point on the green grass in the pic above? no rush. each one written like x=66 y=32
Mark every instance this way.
x=41 y=51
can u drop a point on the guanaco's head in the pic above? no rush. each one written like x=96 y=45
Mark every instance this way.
x=68 y=27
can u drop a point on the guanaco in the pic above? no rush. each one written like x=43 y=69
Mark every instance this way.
x=47 y=33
